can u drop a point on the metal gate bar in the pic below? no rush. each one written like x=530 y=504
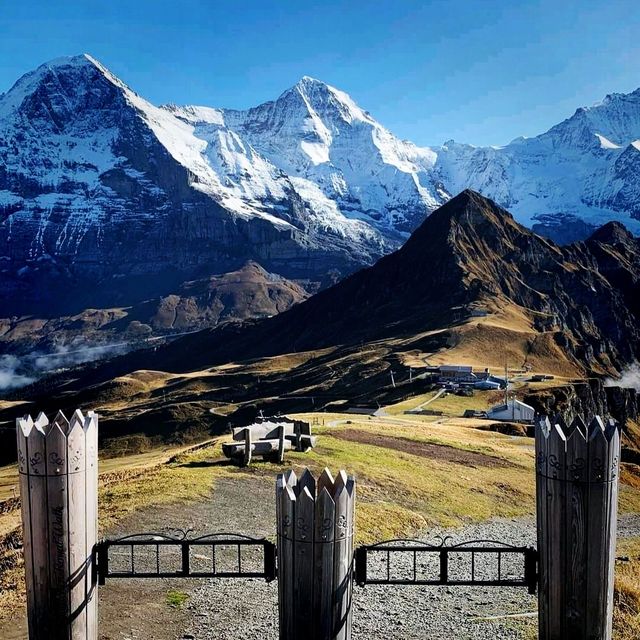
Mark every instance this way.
x=468 y=552
x=180 y=552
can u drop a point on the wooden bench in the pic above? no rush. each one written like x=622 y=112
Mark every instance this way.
x=269 y=439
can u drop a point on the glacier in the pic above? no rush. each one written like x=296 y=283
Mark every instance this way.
x=586 y=167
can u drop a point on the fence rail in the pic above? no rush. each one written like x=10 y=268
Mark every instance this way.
x=476 y=563
x=155 y=555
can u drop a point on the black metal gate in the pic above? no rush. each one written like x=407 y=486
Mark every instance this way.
x=476 y=563
x=486 y=563
x=157 y=555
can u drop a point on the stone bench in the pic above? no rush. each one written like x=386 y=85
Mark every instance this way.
x=269 y=439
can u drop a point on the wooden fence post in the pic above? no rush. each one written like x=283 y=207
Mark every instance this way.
x=281 y=441
x=577 y=469
x=58 y=466
x=315 y=555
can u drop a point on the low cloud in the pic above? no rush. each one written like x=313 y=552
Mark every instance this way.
x=11 y=376
x=19 y=371
x=68 y=356
x=630 y=378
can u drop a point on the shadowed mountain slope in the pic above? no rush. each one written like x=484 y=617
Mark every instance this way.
x=469 y=254
x=249 y=292
x=470 y=286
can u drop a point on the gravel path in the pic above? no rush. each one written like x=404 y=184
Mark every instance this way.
x=247 y=610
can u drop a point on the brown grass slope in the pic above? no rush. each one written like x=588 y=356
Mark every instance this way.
x=567 y=310
x=249 y=292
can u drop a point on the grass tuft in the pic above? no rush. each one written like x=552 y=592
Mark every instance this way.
x=626 y=616
x=176 y=599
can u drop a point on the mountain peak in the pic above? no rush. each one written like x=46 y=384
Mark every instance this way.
x=74 y=60
x=66 y=74
x=472 y=208
x=326 y=100
x=464 y=229
x=612 y=233
x=308 y=80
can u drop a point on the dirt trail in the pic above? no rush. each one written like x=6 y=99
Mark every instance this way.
x=422 y=449
x=138 y=609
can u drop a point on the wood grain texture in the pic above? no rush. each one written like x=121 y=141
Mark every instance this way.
x=315 y=555
x=304 y=561
x=91 y=475
x=77 y=504
x=59 y=497
x=248 y=448
x=323 y=587
x=576 y=498
x=286 y=502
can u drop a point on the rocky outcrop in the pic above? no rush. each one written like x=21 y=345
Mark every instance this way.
x=589 y=398
x=586 y=399
x=31 y=346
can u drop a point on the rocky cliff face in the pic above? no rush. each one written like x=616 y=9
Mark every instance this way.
x=337 y=153
x=589 y=398
x=586 y=399
x=105 y=198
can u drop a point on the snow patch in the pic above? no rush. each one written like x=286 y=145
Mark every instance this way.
x=606 y=144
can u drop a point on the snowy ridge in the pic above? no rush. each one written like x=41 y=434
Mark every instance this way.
x=586 y=167
x=318 y=132
x=83 y=157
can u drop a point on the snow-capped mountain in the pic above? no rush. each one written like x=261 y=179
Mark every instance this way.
x=583 y=171
x=351 y=173
x=98 y=186
x=105 y=197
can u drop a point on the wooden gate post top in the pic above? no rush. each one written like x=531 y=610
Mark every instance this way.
x=577 y=452
x=342 y=487
x=315 y=554
x=65 y=440
x=577 y=474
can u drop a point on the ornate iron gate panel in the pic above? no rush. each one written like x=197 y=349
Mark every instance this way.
x=476 y=563
x=156 y=555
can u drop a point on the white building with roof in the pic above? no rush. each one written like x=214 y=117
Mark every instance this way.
x=512 y=411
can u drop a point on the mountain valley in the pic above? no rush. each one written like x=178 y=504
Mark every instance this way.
x=471 y=285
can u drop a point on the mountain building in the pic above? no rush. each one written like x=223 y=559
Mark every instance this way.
x=512 y=411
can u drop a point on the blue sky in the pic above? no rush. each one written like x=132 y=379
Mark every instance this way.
x=482 y=72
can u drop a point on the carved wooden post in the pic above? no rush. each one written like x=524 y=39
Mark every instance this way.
x=577 y=498
x=58 y=465
x=315 y=555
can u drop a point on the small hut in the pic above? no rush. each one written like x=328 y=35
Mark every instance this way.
x=512 y=411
